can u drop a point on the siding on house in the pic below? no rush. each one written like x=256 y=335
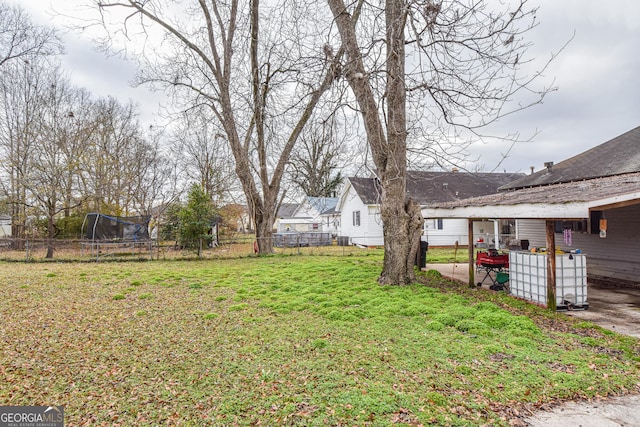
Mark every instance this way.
x=425 y=188
x=314 y=214
x=615 y=256
x=456 y=230
x=453 y=230
x=5 y=226
x=369 y=232
x=331 y=223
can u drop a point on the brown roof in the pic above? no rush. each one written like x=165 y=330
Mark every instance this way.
x=621 y=155
x=435 y=187
x=569 y=192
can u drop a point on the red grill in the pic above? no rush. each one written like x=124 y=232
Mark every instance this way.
x=491 y=262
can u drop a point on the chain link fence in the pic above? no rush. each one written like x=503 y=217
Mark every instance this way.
x=32 y=250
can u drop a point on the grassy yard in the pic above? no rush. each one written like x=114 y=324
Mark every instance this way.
x=447 y=255
x=288 y=340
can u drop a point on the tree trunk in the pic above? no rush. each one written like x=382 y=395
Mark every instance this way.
x=51 y=234
x=402 y=226
x=264 y=232
x=401 y=220
x=416 y=221
x=398 y=215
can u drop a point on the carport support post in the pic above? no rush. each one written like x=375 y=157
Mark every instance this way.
x=551 y=265
x=471 y=263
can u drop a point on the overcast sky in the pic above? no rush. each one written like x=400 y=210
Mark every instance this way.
x=598 y=96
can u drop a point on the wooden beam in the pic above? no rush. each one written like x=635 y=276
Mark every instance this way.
x=471 y=255
x=551 y=265
x=524 y=211
x=617 y=205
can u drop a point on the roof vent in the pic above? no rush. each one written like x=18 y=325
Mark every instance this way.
x=549 y=166
x=533 y=168
x=445 y=185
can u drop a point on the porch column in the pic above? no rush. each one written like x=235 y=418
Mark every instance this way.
x=471 y=255
x=551 y=265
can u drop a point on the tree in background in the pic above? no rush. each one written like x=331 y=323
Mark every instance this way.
x=231 y=221
x=53 y=169
x=22 y=46
x=201 y=151
x=260 y=69
x=170 y=222
x=63 y=152
x=316 y=161
x=118 y=156
x=196 y=219
x=457 y=63
x=21 y=39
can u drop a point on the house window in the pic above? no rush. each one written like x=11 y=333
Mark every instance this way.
x=438 y=224
x=315 y=226
x=356 y=218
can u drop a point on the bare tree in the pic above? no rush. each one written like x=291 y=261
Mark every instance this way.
x=118 y=155
x=21 y=45
x=73 y=134
x=259 y=68
x=201 y=149
x=51 y=176
x=20 y=88
x=157 y=181
x=21 y=39
x=464 y=67
x=316 y=162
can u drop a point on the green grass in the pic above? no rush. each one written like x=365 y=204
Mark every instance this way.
x=447 y=255
x=287 y=340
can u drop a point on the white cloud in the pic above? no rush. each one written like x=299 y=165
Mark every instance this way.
x=596 y=75
x=99 y=73
x=597 y=97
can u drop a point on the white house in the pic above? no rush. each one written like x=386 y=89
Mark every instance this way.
x=5 y=226
x=285 y=221
x=359 y=207
x=314 y=214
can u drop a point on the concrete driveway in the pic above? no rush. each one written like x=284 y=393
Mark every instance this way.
x=614 y=309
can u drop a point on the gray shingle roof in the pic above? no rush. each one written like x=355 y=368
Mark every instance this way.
x=431 y=187
x=287 y=210
x=324 y=205
x=437 y=187
x=367 y=189
x=620 y=155
x=563 y=193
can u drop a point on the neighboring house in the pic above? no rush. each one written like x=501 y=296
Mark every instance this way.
x=284 y=218
x=359 y=206
x=5 y=226
x=314 y=214
x=589 y=202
